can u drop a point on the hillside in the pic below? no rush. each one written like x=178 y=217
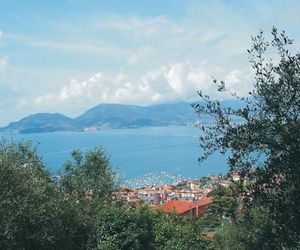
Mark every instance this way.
x=107 y=116
x=129 y=116
x=41 y=122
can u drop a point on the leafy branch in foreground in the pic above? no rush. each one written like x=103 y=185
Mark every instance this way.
x=264 y=145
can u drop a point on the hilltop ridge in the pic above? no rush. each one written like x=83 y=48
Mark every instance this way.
x=107 y=116
x=104 y=116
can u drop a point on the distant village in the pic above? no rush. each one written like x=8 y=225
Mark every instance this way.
x=187 y=197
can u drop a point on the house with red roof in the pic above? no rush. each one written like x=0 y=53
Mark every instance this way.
x=203 y=204
x=187 y=208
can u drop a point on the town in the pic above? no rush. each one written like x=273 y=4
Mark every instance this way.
x=188 y=198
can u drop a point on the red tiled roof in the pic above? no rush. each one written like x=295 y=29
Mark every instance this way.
x=205 y=201
x=178 y=206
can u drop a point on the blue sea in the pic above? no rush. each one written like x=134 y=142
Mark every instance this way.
x=136 y=154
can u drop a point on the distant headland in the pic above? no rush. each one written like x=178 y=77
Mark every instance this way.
x=105 y=116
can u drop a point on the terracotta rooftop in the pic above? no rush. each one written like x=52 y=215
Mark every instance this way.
x=178 y=206
x=205 y=201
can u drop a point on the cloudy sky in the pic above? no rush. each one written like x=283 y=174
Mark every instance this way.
x=68 y=55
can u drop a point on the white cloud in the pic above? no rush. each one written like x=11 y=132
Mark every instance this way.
x=180 y=80
x=166 y=83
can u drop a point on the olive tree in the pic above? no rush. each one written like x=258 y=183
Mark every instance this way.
x=31 y=212
x=264 y=144
x=87 y=182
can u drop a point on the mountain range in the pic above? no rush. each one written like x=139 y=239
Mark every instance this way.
x=105 y=116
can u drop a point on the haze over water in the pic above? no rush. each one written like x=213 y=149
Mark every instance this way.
x=134 y=153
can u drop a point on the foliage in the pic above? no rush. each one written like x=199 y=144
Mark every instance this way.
x=226 y=205
x=174 y=232
x=264 y=147
x=119 y=229
x=31 y=208
x=88 y=174
x=34 y=212
x=253 y=232
x=88 y=182
x=226 y=200
x=142 y=228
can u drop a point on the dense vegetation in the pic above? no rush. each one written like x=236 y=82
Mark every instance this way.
x=261 y=211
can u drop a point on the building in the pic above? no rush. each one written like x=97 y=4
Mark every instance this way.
x=203 y=204
x=184 y=208
x=187 y=208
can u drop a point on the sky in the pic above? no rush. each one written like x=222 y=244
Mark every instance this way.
x=68 y=55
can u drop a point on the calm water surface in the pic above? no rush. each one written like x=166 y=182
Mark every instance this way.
x=133 y=152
